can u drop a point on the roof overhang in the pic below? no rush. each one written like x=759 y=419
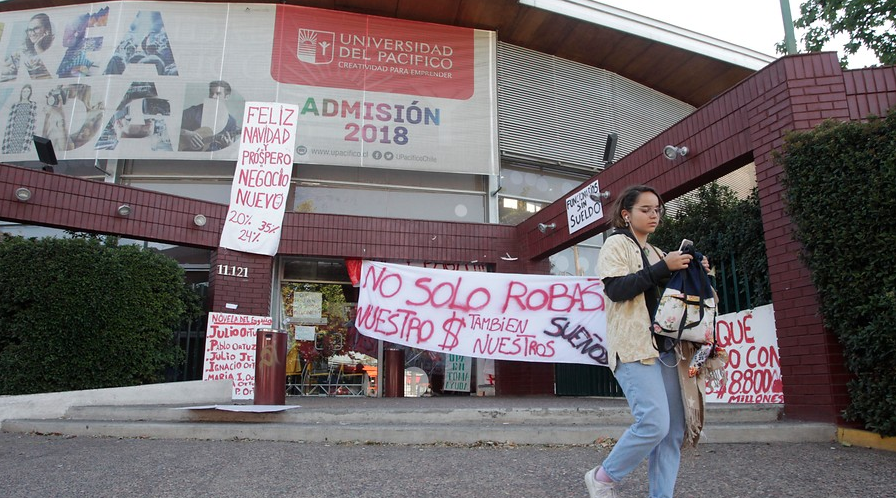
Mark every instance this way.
x=685 y=65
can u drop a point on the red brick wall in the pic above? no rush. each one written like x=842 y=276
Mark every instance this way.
x=804 y=91
x=251 y=294
x=870 y=91
x=520 y=378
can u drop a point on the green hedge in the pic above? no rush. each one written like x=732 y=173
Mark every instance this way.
x=79 y=314
x=841 y=194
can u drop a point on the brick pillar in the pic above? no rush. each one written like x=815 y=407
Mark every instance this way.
x=797 y=93
x=242 y=279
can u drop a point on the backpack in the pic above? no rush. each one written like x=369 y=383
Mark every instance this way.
x=687 y=308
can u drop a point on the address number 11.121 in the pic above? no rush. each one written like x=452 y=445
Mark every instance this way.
x=233 y=271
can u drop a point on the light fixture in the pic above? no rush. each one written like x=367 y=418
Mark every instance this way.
x=23 y=194
x=671 y=152
x=544 y=228
x=199 y=220
x=602 y=195
x=124 y=210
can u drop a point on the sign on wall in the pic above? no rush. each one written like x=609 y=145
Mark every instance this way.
x=138 y=79
x=754 y=366
x=261 y=183
x=581 y=209
x=458 y=371
x=230 y=350
x=538 y=318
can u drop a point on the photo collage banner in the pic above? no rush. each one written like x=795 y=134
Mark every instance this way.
x=142 y=80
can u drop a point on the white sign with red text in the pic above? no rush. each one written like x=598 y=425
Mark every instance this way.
x=230 y=350
x=261 y=182
x=754 y=368
x=540 y=318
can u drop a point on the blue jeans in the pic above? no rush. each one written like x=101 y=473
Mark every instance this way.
x=654 y=396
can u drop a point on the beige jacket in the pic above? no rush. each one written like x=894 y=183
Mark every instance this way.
x=628 y=322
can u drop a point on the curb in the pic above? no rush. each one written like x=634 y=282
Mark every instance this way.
x=865 y=439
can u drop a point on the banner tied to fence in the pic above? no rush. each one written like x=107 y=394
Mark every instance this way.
x=541 y=318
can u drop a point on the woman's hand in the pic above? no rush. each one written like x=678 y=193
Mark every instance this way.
x=676 y=260
x=705 y=263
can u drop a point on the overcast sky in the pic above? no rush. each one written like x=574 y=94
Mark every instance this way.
x=754 y=24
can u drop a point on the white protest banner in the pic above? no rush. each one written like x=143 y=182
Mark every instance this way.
x=581 y=209
x=457 y=373
x=754 y=368
x=230 y=350
x=261 y=182
x=541 y=318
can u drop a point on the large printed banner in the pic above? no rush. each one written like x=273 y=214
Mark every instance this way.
x=168 y=80
x=540 y=318
x=261 y=183
x=754 y=368
x=230 y=350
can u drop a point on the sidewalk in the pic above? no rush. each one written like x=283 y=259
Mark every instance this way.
x=207 y=413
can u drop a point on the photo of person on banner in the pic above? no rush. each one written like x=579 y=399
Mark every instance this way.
x=20 y=124
x=209 y=126
x=141 y=115
x=38 y=39
x=145 y=43
x=665 y=402
x=76 y=62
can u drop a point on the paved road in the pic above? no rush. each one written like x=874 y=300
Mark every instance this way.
x=58 y=466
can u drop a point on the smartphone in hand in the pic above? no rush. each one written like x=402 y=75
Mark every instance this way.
x=686 y=245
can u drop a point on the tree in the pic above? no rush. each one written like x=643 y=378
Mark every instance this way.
x=869 y=23
x=727 y=230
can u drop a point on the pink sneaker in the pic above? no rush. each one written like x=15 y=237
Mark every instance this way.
x=597 y=489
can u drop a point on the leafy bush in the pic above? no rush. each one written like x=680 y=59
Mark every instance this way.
x=80 y=314
x=841 y=195
x=723 y=226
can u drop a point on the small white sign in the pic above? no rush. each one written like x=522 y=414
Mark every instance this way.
x=581 y=209
x=304 y=333
x=457 y=373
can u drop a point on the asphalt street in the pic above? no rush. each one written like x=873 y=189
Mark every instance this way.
x=59 y=466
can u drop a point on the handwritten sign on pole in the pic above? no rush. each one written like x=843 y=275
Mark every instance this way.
x=230 y=350
x=754 y=367
x=261 y=182
x=540 y=318
x=581 y=209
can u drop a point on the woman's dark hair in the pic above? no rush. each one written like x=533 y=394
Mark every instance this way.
x=47 y=40
x=626 y=201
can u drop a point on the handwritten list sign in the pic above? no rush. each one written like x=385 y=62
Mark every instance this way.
x=261 y=182
x=541 y=318
x=230 y=350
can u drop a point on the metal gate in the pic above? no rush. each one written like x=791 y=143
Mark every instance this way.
x=585 y=380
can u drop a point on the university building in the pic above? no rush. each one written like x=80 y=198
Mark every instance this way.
x=444 y=134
